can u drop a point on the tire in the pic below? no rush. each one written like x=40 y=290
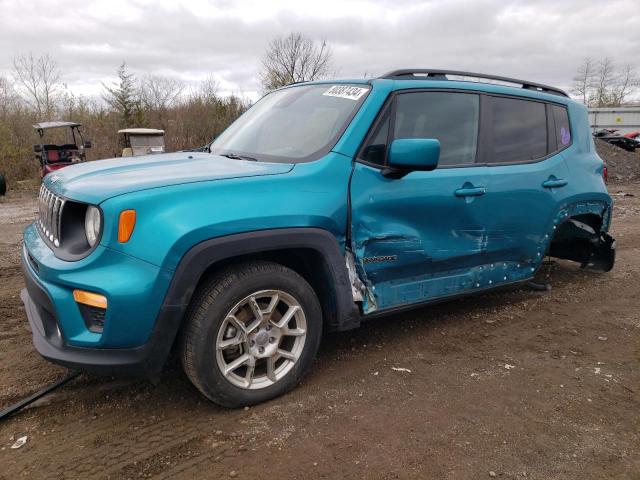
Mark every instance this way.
x=3 y=185
x=279 y=334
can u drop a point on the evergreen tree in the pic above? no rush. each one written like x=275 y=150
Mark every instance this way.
x=124 y=98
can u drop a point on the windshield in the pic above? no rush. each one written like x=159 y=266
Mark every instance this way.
x=295 y=124
x=146 y=141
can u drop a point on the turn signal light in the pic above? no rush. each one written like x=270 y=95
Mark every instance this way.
x=126 y=225
x=91 y=299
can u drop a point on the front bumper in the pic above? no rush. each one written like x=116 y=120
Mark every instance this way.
x=60 y=337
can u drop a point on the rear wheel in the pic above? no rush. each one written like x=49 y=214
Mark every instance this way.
x=252 y=333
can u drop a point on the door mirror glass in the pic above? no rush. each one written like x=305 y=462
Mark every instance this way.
x=408 y=154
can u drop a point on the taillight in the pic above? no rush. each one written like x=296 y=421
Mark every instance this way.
x=605 y=173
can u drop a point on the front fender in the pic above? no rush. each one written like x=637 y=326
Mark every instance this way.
x=171 y=220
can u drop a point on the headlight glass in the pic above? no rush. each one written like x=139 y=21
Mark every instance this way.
x=92 y=222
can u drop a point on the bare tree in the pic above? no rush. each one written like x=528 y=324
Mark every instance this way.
x=39 y=78
x=294 y=58
x=583 y=80
x=626 y=82
x=603 y=80
x=209 y=88
x=8 y=98
x=160 y=93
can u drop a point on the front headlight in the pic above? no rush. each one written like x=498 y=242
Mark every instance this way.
x=92 y=222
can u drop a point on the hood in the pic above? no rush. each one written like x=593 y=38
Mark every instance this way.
x=94 y=182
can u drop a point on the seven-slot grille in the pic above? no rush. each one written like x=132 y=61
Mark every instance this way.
x=50 y=214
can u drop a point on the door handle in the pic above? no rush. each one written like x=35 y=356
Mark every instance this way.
x=470 y=192
x=554 y=183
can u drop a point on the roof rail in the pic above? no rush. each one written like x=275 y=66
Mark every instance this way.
x=433 y=74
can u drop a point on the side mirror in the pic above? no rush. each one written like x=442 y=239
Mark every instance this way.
x=37 y=148
x=412 y=154
x=87 y=144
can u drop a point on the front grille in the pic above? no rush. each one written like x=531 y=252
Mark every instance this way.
x=50 y=208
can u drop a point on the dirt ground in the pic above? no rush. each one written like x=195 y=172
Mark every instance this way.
x=516 y=384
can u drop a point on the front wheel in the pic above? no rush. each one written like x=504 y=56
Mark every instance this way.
x=252 y=333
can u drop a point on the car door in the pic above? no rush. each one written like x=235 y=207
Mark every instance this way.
x=527 y=178
x=421 y=236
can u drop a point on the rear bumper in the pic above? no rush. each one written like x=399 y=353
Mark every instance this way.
x=146 y=360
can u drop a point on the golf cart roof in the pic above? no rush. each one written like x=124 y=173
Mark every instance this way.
x=45 y=125
x=141 y=131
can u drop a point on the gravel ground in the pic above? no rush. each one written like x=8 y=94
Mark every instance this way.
x=514 y=384
x=623 y=166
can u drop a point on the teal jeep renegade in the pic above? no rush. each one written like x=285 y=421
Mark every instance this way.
x=325 y=204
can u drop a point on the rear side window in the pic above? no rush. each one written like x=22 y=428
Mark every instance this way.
x=519 y=130
x=450 y=117
x=563 y=130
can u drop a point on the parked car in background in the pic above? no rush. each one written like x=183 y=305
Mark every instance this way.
x=64 y=145
x=635 y=136
x=614 y=138
x=134 y=142
x=325 y=204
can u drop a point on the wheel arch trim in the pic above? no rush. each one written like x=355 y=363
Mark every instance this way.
x=202 y=256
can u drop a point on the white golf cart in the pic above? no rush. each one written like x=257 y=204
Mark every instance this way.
x=140 y=141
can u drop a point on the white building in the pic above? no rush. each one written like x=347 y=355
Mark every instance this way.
x=624 y=119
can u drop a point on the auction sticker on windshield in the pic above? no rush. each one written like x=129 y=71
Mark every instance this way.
x=346 y=91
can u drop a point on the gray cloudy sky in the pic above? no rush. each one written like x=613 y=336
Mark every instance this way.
x=541 y=40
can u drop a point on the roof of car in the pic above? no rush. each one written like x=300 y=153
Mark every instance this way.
x=436 y=78
x=460 y=76
x=141 y=131
x=57 y=124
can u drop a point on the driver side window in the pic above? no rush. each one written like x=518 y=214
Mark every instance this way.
x=450 y=117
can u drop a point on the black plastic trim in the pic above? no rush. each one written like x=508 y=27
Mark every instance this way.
x=206 y=254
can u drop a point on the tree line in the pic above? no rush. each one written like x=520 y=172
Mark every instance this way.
x=602 y=83
x=35 y=92
x=191 y=116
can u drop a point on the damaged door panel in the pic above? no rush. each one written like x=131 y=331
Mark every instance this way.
x=414 y=238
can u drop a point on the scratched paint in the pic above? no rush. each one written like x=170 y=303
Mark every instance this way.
x=430 y=256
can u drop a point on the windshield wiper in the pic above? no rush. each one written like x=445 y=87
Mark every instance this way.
x=235 y=156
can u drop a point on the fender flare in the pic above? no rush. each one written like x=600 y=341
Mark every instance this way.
x=202 y=256
x=205 y=254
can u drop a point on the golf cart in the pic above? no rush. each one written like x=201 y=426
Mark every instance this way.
x=69 y=147
x=140 y=141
